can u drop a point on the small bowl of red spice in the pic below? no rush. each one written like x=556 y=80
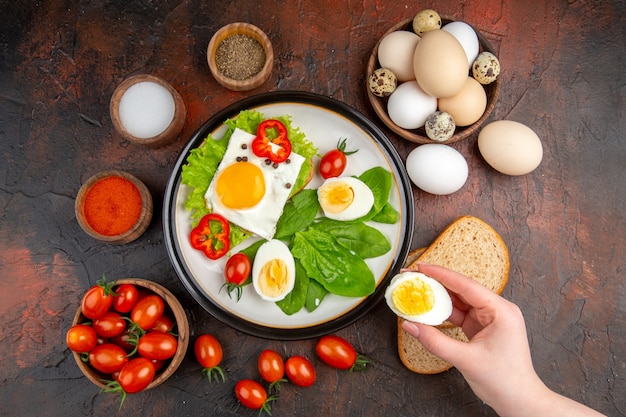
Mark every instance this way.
x=240 y=56
x=114 y=207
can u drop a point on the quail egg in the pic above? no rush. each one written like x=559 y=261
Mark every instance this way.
x=440 y=126
x=486 y=68
x=383 y=82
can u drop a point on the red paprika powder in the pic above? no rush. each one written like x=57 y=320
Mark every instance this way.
x=112 y=206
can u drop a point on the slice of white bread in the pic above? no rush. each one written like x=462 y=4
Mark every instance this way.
x=471 y=247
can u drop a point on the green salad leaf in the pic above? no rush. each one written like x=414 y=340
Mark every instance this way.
x=365 y=241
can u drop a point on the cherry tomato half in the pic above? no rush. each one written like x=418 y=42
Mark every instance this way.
x=157 y=345
x=127 y=297
x=339 y=353
x=110 y=324
x=251 y=394
x=96 y=301
x=300 y=371
x=136 y=375
x=107 y=358
x=148 y=311
x=208 y=351
x=81 y=338
x=271 y=366
x=237 y=269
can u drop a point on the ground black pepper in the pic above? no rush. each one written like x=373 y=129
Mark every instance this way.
x=240 y=57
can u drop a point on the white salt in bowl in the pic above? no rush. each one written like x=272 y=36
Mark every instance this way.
x=146 y=110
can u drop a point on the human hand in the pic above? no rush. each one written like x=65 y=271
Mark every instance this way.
x=496 y=362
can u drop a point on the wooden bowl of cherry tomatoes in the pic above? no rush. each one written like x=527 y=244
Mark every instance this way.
x=129 y=341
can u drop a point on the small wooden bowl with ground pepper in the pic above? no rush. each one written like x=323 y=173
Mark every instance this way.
x=240 y=56
x=114 y=207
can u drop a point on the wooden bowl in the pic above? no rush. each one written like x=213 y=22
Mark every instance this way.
x=419 y=135
x=240 y=28
x=170 y=133
x=173 y=308
x=135 y=230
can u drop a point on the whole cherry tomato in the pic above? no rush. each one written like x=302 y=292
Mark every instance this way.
x=339 y=353
x=127 y=296
x=271 y=366
x=251 y=394
x=147 y=311
x=107 y=358
x=236 y=273
x=126 y=340
x=157 y=345
x=81 y=338
x=136 y=375
x=300 y=371
x=334 y=162
x=208 y=351
x=97 y=300
x=110 y=324
x=164 y=324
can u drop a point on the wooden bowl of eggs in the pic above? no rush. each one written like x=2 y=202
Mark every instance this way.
x=434 y=86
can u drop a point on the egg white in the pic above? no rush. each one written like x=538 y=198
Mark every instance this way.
x=270 y=250
x=360 y=206
x=262 y=218
x=442 y=307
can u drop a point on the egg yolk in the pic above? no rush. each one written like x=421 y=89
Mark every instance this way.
x=336 y=197
x=273 y=278
x=413 y=298
x=240 y=185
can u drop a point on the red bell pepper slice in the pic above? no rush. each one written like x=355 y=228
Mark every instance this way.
x=261 y=144
x=211 y=236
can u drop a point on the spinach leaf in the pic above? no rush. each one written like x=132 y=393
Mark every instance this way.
x=332 y=265
x=387 y=215
x=296 y=298
x=314 y=296
x=365 y=241
x=379 y=180
x=298 y=214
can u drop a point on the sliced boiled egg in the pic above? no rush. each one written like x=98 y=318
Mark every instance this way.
x=273 y=271
x=419 y=298
x=345 y=198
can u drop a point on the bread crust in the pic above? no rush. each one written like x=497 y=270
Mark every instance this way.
x=469 y=246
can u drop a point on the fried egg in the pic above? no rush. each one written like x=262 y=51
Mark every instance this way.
x=247 y=190
x=419 y=298
x=273 y=271
x=345 y=198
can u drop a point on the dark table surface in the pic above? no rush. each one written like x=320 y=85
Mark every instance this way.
x=563 y=75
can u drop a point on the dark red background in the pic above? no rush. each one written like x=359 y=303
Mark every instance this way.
x=563 y=75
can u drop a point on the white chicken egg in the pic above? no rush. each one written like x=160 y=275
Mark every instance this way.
x=419 y=298
x=345 y=198
x=437 y=168
x=409 y=106
x=466 y=35
x=247 y=191
x=273 y=271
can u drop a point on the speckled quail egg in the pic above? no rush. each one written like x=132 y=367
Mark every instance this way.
x=419 y=298
x=440 y=126
x=486 y=68
x=273 y=271
x=383 y=82
x=426 y=20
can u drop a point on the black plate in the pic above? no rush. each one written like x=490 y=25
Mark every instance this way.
x=303 y=104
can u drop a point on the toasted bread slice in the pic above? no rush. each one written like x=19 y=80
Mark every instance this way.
x=471 y=247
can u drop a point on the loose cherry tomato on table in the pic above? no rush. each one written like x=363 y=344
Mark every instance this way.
x=81 y=338
x=208 y=351
x=157 y=345
x=127 y=297
x=109 y=325
x=251 y=394
x=271 y=367
x=98 y=299
x=147 y=311
x=339 y=353
x=108 y=358
x=236 y=273
x=300 y=371
x=334 y=162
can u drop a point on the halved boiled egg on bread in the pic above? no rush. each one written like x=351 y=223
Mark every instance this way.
x=273 y=271
x=419 y=298
x=345 y=198
x=250 y=191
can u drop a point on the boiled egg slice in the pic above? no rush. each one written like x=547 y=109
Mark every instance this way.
x=419 y=298
x=273 y=271
x=345 y=198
